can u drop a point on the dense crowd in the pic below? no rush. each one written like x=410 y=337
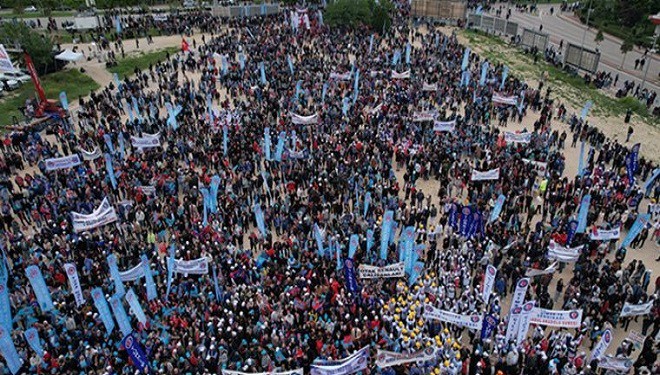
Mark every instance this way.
x=351 y=152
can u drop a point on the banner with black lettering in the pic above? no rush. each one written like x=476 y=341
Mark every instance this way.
x=198 y=266
x=557 y=318
x=86 y=155
x=563 y=253
x=517 y=137
x=531 y=272
x=358 y=361
x=616 y=364
x=473 y=321
x=304 y=120
x=62 y=163
x=404 y=75
x=539 y=166
x=148 y=141
x=506 y=100
x=366 y=271
x=102 y=215
x=424 y=116
x=72 y=274
x=493 y=174
x=292 y=372
x=597 y=234
x=444 y=126
x=634 y=310
x=385 y=358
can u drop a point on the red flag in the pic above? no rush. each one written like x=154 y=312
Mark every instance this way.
x=184 y=45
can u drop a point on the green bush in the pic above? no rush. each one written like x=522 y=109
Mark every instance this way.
x=37 y=46
x=355 y=13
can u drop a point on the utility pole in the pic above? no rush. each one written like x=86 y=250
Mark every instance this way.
x=584 y=36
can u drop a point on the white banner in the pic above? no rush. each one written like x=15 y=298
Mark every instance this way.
x=429 y=87
x=603 y=344
x=292 y=372
x=148 y=141
x=341 y=76
x=513 y=323
x=5 y=61
x=557 y=318
x=147 y=189
x=444 y=126
x=358 y=361
x=562 y=253
x=539 y=166
x=517 y=137
x=375 y=73
x=90 y=155
x=531 y=272
x=508 y=100
x=366 y=271
x=597 y=234
x=198 y=266
x=104 y=214
x=304 y=120
x=634 y=310
x=473 y=321
x=489 y=282
x=132 y=274
x=616 y=364
x=424 y=116
x=493 y=174
x=525 y=319
x=388 y=359
x=404 y=75
x=62 y=163
x=519 y=295
x=72 y=274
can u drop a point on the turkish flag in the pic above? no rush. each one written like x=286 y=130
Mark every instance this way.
x=184 y=45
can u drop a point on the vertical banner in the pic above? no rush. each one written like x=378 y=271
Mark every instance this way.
x=603 y=344
x=135 y=351
x=338 y=252
x=170 y=270
x=370 y=240
x=206 y=198
x=74 y=282
x=489 y=326
x=638 y=225
x=8 y=351
x=114 y=273
x=489 y=282
x=40 y=288
x=324 y=92
x=371 y=43
x=152 y=293
x=104 y=310
x=499 y=204
x=5 y=305
x=582 y=214
x=241 y=60
x=512 y=326
x=262 y=70
x=64 y=101
x=632 y=162
x=519 y=294
x=385 y=229
x=356 y=85
x=581 y=170
x=367 y=202
x=279 y=149
x=135 y=307
x=259 y=217
x=651 y=179
x=571 y=229
x=215 y=284
x=466 y=59
x=466 y=221
x=225 y=140
x=353 y=245
x=110 y=170
x=484 y=73
x=349 y=273
x=319 y=239
x=525 y=318
x=408 y=51
x=288 y=59
x=267 y=145
x=120 y=314
x=585 y=109
x=505 y=74
x=32 y=338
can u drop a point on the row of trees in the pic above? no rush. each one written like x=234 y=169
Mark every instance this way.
x=19 y=35
x=626 y=19
x=355 y=13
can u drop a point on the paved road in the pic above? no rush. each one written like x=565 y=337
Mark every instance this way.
x=567 y=28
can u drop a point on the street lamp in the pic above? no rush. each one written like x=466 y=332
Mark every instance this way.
x=656 y=21
x=584 y=36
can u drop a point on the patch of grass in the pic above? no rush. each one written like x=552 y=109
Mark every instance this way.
x=571 y=88
x=56 y=13
x=74 y=83
x=126 y=67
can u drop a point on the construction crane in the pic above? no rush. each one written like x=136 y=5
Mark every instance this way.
x=45 y=107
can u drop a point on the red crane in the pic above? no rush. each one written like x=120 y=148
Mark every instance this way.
x=45 y=107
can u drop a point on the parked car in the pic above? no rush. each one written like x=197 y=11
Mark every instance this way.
x=30 y=9
x=10 y=84
x=16 y=75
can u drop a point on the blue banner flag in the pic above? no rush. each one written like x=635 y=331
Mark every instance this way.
x=262 y=70
x=408 y=51
x=320 y=18
x=120 y=314
x=5 y=306
x=122 y=146
x=345 y=105
x=349 y=273
x=117 y=24
x=241 y=60
x=151 y=286
x=338 y=252
x=319 y=239
x=110 y=170
x=213 y=190
x=367 y=202
x=32 y=338
x=291 y=69
x=370 y=239
x=582 y=214
x=632 y=162
x=279 y=149
x=356 y=85
x=103 y=308
x=585 y=109
x=453 y=215
x=371 y=43
x=136 y=109
x=581 y=170
x=396 y=58
x=324 y=92
x=484 y=73
x=570 y=231
x=259 y=217
x=489 y=325
x=505 y=74
x=224 y=64
x=415 y=272
x=353 y=245
x=466 y=59
x=206 y=198
x=466 y=221
x=385 y=229
x=114 y=273
x=267 y=145
x=115 y=77
x=263 y=9
x=134 y=307
x=225 y=140
x=8 y=351
x=649 y=182
x=499 y=203
x=64 y=101
x=215 y=284
x=135 y=351
x=170 y=270
x=638 y=225
x=40 y=288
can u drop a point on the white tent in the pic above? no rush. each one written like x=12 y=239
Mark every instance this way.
x=69 y=55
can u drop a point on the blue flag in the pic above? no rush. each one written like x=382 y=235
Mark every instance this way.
x=484 y=73
x=320 y=18
x=466 y=221
x=582 y=214
x=103 y=308
x=338 y=252
x=279 y=149
x=581 y=170
x=259 y=217
x=632 y=162
x=349 y=273
x=370 y=239
x=115 y=77
x=585 y=109
x=385 y=229
x=408 y=51
x=151 y=286
x=267 y=145
x=466 y=59
x=415 y=272
x=206 y=198
x=114 y=273
x=32 y=338
x=122 y=146
x=120 y=314
x=135 y=351
x=499 y=203
x=489 y=325
x=110 y=170
x=225 y=140
x=263 y=73
x=649 y=182
x=356 y=86
x=5 y=306
x=241 y=60
x=117 y=24
x=345 y=105
x=288 y=58
x=224 y=64
x=371 y=43
x=40 y=288
x=64 y=101
x=353 y=245
x=215 y=284
x=319 y=239
x=324 y=92
x=8 y=351
x=638 y=225
x=213 y=190
x=135 y=307
x=367 y=202
x=505 y=74
x=396 y=58
x=170 y=270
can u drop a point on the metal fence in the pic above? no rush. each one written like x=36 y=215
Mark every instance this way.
x=582 y=58
x=236 y=11
x=492 y=25
x=532 y=38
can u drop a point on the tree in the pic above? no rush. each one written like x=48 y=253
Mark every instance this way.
x=40 y=48
x=626 y=47
x=354 y=13
x=599 y=37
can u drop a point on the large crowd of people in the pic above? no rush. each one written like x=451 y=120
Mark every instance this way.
x=238 y=189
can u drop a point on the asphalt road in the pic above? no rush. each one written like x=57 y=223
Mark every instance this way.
x=564 y=26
